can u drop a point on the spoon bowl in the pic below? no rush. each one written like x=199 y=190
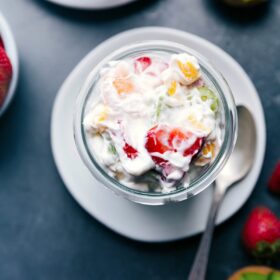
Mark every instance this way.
x=242 y=158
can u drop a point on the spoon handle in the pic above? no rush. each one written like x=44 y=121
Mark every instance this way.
x=199 y=267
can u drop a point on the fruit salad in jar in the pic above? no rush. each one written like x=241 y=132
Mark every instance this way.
x=155 y=121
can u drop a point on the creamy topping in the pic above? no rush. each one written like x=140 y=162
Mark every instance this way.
x=153 y=115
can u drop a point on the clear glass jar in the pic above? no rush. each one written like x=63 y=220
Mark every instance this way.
x=204 y=179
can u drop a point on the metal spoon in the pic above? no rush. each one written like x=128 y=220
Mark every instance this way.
x=237 y=167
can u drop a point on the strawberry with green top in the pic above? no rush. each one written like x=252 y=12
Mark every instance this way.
x=261 y=233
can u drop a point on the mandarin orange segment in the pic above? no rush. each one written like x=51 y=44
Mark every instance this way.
x=123 y=86
x=101 y=113
x=188 y=70
x=102 y=117
x=204 y=158
x=209 y=148
x=172 y=89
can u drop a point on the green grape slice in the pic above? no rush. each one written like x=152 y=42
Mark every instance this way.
x=206 y=94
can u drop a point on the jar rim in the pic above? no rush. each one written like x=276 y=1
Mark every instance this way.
x=199 y=183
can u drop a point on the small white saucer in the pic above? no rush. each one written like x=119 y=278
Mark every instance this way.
x=140 y=222
x=91 y=4
x=11 y=49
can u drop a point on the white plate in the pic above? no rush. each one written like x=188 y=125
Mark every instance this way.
x=11 y=50
x=139 y=222
x=91 y=4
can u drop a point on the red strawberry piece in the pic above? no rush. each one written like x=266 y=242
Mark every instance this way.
x=165 y=139
x=130 y=151
x=195 y=148
x=261 y=233
x=274 y=181
x=5 y=75
x=142 y=63
x=155 y=143
x=176 y=137
x=1 y=43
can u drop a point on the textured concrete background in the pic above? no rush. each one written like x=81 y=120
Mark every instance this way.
x=44 y=234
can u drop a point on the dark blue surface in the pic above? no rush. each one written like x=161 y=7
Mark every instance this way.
x=44 y=234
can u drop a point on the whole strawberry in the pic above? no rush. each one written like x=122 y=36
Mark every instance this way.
x=6 y=72
x=261 y=233
x=274 y=181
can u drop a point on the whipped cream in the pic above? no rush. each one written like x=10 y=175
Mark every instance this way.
x=153 y=118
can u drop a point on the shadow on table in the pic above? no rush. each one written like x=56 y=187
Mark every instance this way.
x=96 y=15
x=239 y=16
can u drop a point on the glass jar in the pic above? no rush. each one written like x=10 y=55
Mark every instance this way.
x=205 y=178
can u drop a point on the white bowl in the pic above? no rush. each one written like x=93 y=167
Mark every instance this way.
x=11 y=49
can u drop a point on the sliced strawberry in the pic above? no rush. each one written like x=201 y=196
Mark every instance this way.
x=155 y=143
x=164 y=138
x=261 y=233
x=142 y=63
x=176 y=137
x=156 y=138
x=274 y=181
x=130 y=151
x=5 y=75
x=195 y=148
